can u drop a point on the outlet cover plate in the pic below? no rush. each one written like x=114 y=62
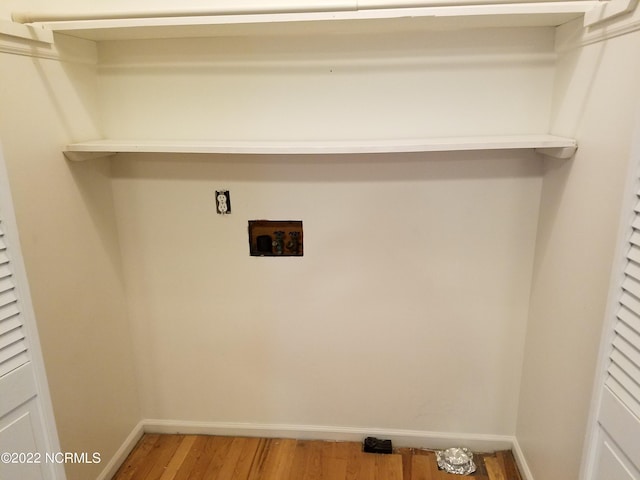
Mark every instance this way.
x=223 y=202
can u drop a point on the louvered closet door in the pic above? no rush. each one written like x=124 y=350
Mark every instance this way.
x=27 y=431
x=624 y=368
x=13 y=345
x=614 y=452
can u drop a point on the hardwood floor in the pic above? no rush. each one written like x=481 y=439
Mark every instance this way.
x=201 y=457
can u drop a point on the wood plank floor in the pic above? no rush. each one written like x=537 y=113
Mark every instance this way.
x=202 y=457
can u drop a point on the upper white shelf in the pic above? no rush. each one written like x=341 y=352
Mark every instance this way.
x=559 y=147
x=198 y=24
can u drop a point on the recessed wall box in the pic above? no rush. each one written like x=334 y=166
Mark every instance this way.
x=275 y=238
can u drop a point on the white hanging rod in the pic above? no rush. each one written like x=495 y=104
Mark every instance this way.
x=408 y=8
x=37 y=17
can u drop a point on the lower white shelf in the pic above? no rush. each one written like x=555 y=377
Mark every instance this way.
x=558 y=147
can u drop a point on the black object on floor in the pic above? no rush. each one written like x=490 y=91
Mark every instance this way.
x=375 y=445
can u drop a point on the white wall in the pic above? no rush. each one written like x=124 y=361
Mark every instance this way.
x=407 y=310
x=67 y=230
x=596 y=100
x=409 y=307
x=391 y=85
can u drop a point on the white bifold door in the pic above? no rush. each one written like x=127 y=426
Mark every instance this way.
x=28 y=437
x=613 y=452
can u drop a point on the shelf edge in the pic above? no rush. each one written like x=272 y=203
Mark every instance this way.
x=558 y=147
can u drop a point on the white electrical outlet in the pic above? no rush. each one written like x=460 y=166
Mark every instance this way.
x=223 y=202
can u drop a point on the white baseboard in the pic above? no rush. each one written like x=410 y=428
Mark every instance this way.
x=521 y=461
x=400 y=438
x=122 y=453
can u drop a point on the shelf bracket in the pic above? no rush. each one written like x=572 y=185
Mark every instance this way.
x=558 y=152
x=36 y=33
x=606 y=10
x=82 y=156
